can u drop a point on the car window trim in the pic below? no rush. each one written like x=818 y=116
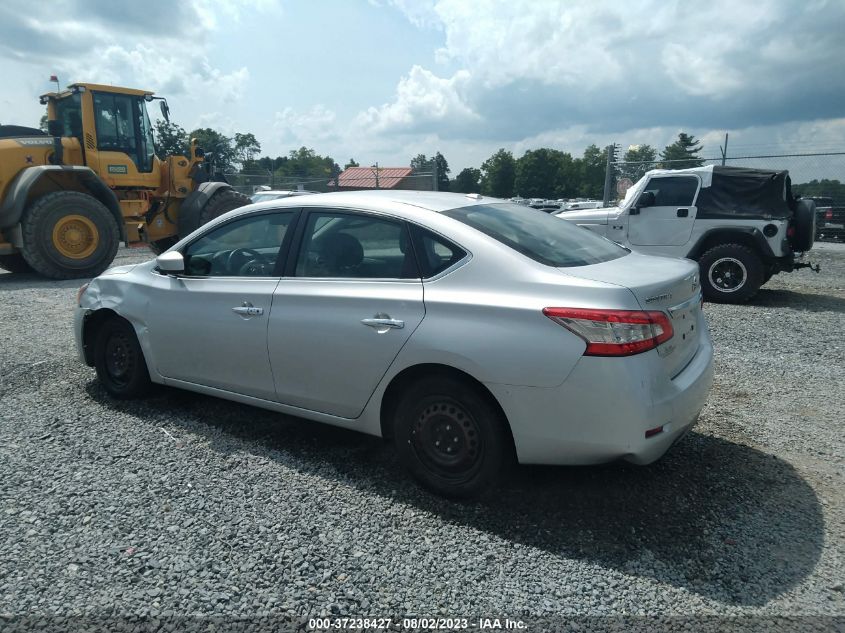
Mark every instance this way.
x=289 y=271
x=416 y=243
x=281 y=257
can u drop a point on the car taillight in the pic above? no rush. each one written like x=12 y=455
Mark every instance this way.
x=790 y=232
x=614 y=332
x=828 y=215
x=79 y=294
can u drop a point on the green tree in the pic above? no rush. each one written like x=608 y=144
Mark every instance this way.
x=497 y=174
x=592 y=168
x=352 y=163
x=682 y=154
x=171 y=139
x=547 y=173
x=246 y=149
x=42 y=124
x=421 y=162
x=305 y=167
x=443 y=172
x=218 y=145
x=641 y=159
x=468 y=180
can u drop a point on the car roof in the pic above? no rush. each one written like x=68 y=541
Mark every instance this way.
x=386 y=200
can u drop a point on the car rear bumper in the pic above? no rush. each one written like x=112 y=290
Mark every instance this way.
x=603 y=410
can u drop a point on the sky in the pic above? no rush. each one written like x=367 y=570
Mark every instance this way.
x=384 y=80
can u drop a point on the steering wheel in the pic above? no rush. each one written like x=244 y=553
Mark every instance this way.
x=247 y=262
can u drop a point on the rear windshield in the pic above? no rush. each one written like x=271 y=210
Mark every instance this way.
x=542 y=237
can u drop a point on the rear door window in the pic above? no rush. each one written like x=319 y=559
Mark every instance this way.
x=544 y=238
x=350 y=245
x=434 y=252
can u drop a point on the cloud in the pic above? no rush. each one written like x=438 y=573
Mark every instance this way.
x=314 y=125
x=423 y=100
x=133 y=44
x=526 y=67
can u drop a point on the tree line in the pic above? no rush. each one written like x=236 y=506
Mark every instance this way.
x=538 y=173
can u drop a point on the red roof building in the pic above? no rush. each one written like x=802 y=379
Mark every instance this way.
x=355 y=178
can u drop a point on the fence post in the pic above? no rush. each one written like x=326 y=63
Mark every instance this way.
x=608 y=174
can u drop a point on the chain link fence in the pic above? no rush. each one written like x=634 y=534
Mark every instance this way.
x=420 y=178
x=813 y=174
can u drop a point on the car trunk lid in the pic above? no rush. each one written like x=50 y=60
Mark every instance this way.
x=670 y=285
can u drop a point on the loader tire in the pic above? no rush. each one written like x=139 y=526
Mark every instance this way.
x=14 y=263
x=222 y=202
x=68 y=235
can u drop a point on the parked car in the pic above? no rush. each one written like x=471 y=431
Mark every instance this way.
x=830 y=218
x=461 y=327
x=549 y=206
x=741 y=225
x=264 y=196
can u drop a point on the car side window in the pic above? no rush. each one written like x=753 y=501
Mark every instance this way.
x=355 y=246
x=673 y=191
x=247 y=247
x=435 y=253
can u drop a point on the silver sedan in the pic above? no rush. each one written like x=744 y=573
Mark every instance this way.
x=469 y=330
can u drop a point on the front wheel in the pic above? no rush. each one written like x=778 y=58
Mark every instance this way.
x=730 y=273
x=119 y=360
x=450 y=437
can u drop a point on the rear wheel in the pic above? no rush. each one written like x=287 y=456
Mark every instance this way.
x=222 y=202
x=119 y=361
x=730 y=273
x=68 y=234
x=14 y=263
x=450 y=437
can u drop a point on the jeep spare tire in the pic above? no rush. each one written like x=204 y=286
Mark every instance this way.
x=805 y=226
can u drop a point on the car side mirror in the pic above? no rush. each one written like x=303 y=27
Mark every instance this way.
x=646 y=199
x=171 y=262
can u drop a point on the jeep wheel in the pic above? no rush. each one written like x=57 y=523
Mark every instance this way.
x=730 y=273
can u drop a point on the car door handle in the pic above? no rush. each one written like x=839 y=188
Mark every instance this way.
x=683 y=213
x=379 y=323
x=247 y=309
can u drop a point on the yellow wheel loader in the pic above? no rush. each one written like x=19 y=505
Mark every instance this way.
x=68 y=197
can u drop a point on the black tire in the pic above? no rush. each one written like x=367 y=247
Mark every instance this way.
x=119 y=360
x=44 y=238
x=440 y=412
x=14 y=263
x=159 y=246
x=805 y=226
x=730 y=273
x=223 y=201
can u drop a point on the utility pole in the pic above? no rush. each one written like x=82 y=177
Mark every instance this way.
x=724 y=150
x=608 y=175
x=376 y=173
x=434 y=173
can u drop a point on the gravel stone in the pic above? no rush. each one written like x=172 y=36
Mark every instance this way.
x=184 y=505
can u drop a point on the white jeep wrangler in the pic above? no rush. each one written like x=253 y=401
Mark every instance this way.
x=741 y=225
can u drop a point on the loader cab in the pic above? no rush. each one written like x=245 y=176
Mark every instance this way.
x=114 y=130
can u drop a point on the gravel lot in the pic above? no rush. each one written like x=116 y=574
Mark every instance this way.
x=188 y=505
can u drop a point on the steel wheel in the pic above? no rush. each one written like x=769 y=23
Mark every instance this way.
x=728 y=274
x=75 y=236
x=119 y=358
x=447 y=440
